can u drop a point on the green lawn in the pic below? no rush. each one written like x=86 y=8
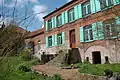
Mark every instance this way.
x=9 y=70
x=98 y=69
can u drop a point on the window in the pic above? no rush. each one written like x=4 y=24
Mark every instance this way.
x=49 y=24
x=87 y=59
x=86 y=8
x=59 y=20
x=105 y=3
x=106 y=59
x=39 y=45
x=71 y=16
x=88 y=34
x=110 y=28
x=50 y=41
x=59 y=38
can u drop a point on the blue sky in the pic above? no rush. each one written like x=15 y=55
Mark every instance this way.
x=29 y=7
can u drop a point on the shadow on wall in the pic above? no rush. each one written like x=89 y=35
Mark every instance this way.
x=74 y=56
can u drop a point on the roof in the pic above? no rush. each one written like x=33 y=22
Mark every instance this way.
x=35 y=33
x=60 y=8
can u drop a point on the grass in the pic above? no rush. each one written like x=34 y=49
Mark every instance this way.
x=9 y=70
x=98 y=69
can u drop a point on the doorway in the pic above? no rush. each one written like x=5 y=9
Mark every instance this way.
x=96 y=57
x=72 y=39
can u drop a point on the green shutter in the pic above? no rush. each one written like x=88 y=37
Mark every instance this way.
x=79 y=11
x=63 y=37
x=46 y=42
x=100 y=30
x=116 y=2
x=53 y=39
x=63 y=18
x=46 y=25
x=55 y=24
x=81 y=34
x=92 y=5
x=94 y=29
x=66 y=16
x=97 y=5
x=76 y=12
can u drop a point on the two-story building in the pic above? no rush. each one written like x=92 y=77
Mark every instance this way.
x=91 y=26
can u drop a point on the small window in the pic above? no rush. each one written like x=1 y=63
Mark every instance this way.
x=59 y=20
x=87 y=59
x=59 y=38
x=39 y=45
x=71 y=16
x=49 y=24
x=50 y=41
x=106 y=59
x=88 y=34
x=86 y=8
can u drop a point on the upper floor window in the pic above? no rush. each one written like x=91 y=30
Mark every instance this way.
x=59 y=38
x=105 y=3
x=110 y=29
x=50 y=41
x=86 y=8
x=88 y=34
x=49 y=24
x=59 y=20
x=71 y=16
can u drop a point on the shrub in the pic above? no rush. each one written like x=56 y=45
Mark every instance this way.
x=23 y=67
x=57 y=77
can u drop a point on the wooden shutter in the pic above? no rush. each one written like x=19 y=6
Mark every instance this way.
x=94 y=30
x=116 y=2
x=97 y=5
x=55 y=40
x=81 y=34
x=46 y=42
x=46 y=25
x=53 y=25
x=66 y=16
x=100 y=30
x=79 y=11
x=63 y=18
x=63 y=37
x=92 y=5
x=76 y=12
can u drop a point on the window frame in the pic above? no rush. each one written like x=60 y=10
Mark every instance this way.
x=59 y=20
x=49 y=24
x=49 y=41
x=86 y=8
x=59 y=39
x=87 y=30
x=71 y=15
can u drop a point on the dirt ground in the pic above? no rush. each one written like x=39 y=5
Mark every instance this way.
x=66 y=74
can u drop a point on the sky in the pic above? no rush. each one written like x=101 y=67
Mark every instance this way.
x=34 y=10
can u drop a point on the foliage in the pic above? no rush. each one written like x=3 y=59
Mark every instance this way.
x=98 y=69
x=57 y=77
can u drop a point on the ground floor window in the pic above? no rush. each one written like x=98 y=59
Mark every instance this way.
x=88 y=34
x=50 y=41
x=59 y=38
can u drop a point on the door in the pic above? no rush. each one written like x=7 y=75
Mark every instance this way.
x=72 y=39
x=96 y=57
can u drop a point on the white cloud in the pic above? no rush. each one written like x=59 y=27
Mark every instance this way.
x=41 y=9
x=69 y=0
x=20 y=3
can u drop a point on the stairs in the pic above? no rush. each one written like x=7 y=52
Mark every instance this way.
x=59 y=60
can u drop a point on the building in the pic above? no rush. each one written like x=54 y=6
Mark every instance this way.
x=90 y=26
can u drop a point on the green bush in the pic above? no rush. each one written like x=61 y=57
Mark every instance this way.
x=23 y=67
